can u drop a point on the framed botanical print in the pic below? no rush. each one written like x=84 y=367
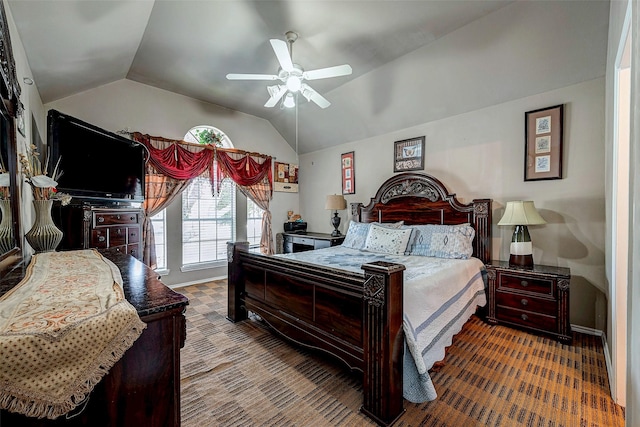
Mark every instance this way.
x=543 y=143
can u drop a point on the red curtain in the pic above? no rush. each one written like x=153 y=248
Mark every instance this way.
x=244 y=171
x=175 y=161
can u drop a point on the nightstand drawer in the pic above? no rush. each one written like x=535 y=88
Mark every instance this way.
x=526 y=302
x=526 y=284
x=527 y=319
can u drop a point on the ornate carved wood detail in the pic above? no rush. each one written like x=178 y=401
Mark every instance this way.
x=410 y=187
x=10 y=88
x=374 y=290
x=563 y=285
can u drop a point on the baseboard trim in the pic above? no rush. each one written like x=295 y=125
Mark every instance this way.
x=605 y=348
x=196 y=282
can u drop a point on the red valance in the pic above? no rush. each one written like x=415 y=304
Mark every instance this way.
x=175 y=161
x=244 y=171
x=178 y=162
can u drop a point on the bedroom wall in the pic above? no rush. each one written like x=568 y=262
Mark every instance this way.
x=137 y=107
x=481 y=154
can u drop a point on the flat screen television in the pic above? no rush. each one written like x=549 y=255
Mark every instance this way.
x=97 y=166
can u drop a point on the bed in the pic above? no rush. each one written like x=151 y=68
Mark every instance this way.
x=357 y=314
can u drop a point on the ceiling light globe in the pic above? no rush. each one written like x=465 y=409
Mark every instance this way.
x=289 y=102
x=294 y=83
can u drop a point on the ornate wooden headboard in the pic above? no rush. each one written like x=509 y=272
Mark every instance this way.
x=417 y=198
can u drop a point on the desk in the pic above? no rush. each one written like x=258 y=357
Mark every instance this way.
x=143 y=388
x=294 y=242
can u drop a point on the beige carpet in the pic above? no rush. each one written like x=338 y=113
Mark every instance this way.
x=245 y=375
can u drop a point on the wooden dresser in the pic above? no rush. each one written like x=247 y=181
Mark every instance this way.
x=535 y=298
x=143 y=387
x=117 y=230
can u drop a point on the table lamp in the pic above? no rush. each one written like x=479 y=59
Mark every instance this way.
x=521 y=214
x=335 y=203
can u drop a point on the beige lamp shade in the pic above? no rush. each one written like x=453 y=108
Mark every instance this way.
x=521 y=213
x=335 y=202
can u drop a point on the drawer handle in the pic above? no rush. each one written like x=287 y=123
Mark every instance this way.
x=524 y=317
x=524 y=301
x=133 y=252
x=118 y=216
x=100 y=219
x=524 y=283
x=101 y=239
x=118 y=250
x=119 y=231
x=132 y=218
x=133 y=234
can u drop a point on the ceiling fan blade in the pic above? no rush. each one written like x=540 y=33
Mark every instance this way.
x=323 y=73
x=311 y=95
x=276 y=96
x=282 y=53
x=252 y=77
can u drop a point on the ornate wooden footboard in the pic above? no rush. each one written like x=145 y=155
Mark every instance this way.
x=357 y=319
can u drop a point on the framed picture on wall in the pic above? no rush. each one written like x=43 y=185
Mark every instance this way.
x=543 y=143
x=409 y=155
x=285 y=177
x=348 y=173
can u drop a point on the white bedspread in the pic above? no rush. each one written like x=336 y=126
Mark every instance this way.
x=439 y=297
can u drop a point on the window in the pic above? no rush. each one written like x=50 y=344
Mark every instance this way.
x=158 y=222
x=254 y=223
x=208 y=222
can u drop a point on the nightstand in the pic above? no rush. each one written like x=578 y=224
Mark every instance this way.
x=535 y=298
x=293 y=242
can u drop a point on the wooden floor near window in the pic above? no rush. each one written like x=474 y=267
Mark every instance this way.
x=245 y=375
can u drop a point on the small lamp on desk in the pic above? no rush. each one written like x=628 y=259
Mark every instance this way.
x=335 y=203
x=521 y=214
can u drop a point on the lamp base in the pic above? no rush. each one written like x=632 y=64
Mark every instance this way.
x=522 y=261
x=335 y=221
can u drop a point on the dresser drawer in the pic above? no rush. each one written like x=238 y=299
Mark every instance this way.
x=119 y=218
x=133 y=235
x=526 y=302
x=527 y=319
x=99 y=238
x=303 y=241
x=526 y=284
x=117 y=236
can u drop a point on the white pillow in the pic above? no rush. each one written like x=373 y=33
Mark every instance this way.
x=357 y=233
x=387 y=240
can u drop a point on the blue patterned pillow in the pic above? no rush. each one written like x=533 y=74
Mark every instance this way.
x=387 y=240
x=442 y=241
x=356 y=235
x=358 y=231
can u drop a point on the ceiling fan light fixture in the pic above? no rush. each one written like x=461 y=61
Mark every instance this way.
x=289 y=102
x=294 y=83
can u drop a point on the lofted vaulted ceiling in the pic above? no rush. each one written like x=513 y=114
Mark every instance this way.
x=188 y=47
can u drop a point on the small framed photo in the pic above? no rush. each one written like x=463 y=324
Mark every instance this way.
x=543 y=143
x=409 y=155
x=347 y=166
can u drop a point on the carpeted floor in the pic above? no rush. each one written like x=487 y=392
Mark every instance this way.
x=244 y=375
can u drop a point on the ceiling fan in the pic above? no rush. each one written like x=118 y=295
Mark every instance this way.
x=293 y=76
